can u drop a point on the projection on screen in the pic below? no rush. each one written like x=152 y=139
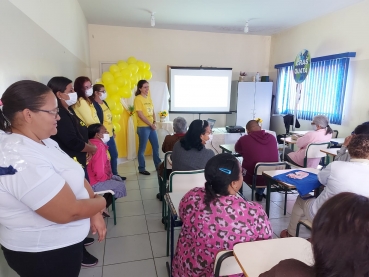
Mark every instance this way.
x=200 y=90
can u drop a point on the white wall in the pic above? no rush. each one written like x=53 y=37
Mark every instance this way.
x=161 y=47
x=27 y=51
x=342 y=31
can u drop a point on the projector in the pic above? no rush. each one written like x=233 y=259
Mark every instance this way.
x=235 y=129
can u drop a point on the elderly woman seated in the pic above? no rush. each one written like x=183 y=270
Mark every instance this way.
x=340 y=239
x=190 y=153
x=216 y=218
x=337 y=177
x=180 y=128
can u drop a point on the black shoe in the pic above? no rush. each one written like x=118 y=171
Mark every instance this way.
x=258 y=197
x=88 y=260
x=159 y=196
x=88 y=241
x=145 y=172
x=122 y=177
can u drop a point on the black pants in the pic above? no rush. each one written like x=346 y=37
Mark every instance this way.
x=63 y=262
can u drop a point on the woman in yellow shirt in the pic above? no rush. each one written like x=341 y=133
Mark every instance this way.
x=105 y=117
x=146 y=128
x=84 y=108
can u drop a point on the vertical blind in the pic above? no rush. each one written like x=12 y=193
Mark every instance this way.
x=322 y=93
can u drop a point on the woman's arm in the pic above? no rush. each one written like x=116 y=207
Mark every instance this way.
x=89 y=148
x=97 y=164
x=65 y=208
x=144 y=119
x=324 y=174
x=305 y=140
x=85 y=112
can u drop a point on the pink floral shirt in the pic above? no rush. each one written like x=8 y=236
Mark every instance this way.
x=207 y=230
x=99 y=169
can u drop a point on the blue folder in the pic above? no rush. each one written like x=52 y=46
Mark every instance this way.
x=303 y=186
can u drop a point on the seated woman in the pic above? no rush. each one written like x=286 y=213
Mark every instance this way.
x=99 y=169
x=340 y=240
x=322 y=133
x=190 y=153
x=216 y=218
x=337 y=177
x=342 y=154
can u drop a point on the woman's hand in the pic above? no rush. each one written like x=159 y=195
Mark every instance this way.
x=153 y=126
x=347 y=141
x=93 y=149
x=88 y=157
x=98 y=226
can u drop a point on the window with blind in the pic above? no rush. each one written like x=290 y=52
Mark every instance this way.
x=322 y=92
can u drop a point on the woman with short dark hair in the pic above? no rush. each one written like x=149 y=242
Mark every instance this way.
x=340 y=239
x=190 y=153
x=216 y=218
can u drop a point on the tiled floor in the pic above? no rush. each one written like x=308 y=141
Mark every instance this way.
x=136 y=245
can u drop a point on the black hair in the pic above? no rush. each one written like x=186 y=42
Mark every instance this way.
x=59 y=84
x=21 y=95
x=93 y=129
x=362 y=129
x=340 y=236
x=139 y=85
x=96 y=88
x=328 y=130
x=217 y=177
x=192 y=138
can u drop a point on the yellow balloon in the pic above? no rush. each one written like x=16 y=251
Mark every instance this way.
x=112 y=89
x=134 y=79
x=122 y=65
x=148 y=66
x=113 y=68
x=141 y=65
x=107 y=78
x=128 y=84
x=126 y=73
x=131 y=60
x=148 y=75
x=133 y=85
x=120 y=82
x=125 y=92
x=111 y=103
x=116 y=118
x=117 y=74
x=118 y=109
x=116 y=127
x=133 y=68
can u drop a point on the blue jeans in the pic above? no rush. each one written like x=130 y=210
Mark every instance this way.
x=145 y=134
x=113 y=155
x=260 y=191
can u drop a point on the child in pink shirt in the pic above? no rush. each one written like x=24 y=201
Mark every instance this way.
x=99 y=169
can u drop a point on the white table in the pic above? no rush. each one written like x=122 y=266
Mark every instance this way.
x=301 y=133
x=330 y=151
x=259 y=256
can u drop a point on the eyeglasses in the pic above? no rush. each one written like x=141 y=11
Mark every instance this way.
x=102 y=91
x=52 y=112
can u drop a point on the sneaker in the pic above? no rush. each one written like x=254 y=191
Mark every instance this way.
x=258 y=197
x=158 y=196
x=122 y=177
x=88 y=241
x=88 y=260
x=145 y=172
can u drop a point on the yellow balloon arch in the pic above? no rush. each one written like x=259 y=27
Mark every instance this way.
x=119 y=83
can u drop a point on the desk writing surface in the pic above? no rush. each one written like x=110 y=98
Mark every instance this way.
x=272 y=173
x=289 y=140
x=175 y=198
x=259 y=256
x=299 y=132
x=229 y=148
x=330 y=151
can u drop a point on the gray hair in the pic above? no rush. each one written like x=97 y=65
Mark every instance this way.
x=180 y=125
x=321 y=120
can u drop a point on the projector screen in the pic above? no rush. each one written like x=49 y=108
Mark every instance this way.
x=200 y=89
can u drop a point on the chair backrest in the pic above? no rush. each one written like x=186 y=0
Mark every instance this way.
x=260 y=167
x=226 y=264
x=335 y=134
x=186 y=180
x=313 y=150
x=168 y=160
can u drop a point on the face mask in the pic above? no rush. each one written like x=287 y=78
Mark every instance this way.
x=106 y=138
x=103 y=96
x=210 y=137
x=315 y=128
x=72 y=99
x=89 y=92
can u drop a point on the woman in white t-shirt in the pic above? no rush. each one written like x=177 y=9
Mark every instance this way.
x=337 y=177
x=46 y=206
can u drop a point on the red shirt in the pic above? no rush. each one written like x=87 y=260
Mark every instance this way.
x=256 y=147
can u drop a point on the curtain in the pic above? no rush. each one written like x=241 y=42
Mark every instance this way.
x=323 y=91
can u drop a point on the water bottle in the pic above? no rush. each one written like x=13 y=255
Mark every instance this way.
x=257 y=77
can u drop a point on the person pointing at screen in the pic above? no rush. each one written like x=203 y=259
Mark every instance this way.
x=146 y=128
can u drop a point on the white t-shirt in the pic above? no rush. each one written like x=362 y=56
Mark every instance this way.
x=42 y=174
x=337 y=177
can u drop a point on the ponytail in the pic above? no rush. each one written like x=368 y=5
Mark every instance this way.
x=209 y=194
x=4 y=123
x=328 y=130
